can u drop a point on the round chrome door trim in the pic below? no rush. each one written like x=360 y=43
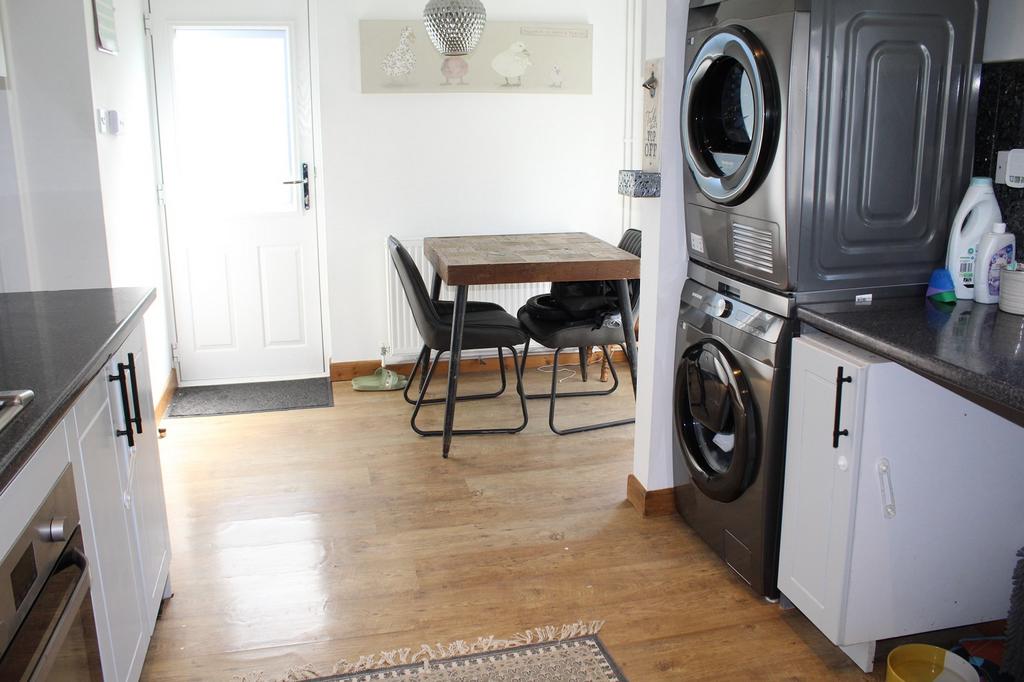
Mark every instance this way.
x=742 y=46
x=729 y=484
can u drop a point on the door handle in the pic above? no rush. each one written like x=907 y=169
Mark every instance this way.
x=137 y=419
x=121 y=379
x=840 y=380
x=304 y=181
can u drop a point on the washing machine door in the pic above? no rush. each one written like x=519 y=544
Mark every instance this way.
x=715 y=421
x=730 y=115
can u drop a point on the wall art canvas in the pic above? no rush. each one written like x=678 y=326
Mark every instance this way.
x=513 y=57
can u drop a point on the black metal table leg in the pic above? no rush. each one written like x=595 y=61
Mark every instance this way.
x=628 y=328
x=454 y=360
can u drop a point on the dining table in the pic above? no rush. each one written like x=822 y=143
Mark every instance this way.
x=475 y=260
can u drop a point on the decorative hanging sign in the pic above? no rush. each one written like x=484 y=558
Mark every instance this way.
x=106 y=26
x=652 y=94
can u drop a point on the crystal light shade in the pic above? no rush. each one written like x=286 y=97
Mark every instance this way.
x=454 y=26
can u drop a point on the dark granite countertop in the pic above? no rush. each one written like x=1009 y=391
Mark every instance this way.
x=973 y=349
x=54 y=343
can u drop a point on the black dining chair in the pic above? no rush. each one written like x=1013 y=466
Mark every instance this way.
x=561 y=335
x=487 y=326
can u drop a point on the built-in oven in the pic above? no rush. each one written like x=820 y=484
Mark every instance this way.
x=47 y=631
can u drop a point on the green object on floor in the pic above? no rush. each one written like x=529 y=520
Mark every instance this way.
x=382 y=380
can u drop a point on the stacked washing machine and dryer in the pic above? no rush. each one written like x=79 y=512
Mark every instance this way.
x=827 y=141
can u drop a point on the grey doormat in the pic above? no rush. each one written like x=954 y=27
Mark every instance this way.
x=267 y=396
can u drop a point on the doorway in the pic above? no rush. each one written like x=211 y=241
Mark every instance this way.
x=234 y=104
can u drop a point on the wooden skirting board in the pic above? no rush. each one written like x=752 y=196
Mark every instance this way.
x=346 y=371
x=168 y=394
x=650 y=502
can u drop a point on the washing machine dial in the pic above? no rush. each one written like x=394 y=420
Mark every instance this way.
x=721 y=308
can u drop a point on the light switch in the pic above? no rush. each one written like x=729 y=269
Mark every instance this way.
x=1010 y=168
x=109 y=122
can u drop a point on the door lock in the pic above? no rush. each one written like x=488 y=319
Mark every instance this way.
x=304 y=181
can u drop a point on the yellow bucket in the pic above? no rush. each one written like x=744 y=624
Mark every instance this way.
x=926 y=663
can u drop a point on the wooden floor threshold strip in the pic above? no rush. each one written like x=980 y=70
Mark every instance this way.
x=427 y=654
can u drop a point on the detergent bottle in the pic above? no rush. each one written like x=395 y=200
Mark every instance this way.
x=975 y=217
x=996 y=250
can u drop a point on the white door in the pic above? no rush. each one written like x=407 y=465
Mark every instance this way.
x=235 y=114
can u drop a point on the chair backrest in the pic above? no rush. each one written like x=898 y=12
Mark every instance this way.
x=423 y=311
x=630 y=242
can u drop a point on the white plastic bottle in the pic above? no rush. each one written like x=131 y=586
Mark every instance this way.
x=996 y=250
x=976 y=215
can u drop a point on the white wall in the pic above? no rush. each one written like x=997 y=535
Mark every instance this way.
x=1004 y=39
x=663 y=270
x=88 y=210
x=434 y=164
x=127 y=173
x=54 y=143
x=14 y=275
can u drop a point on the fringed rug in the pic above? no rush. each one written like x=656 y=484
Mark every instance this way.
x=571 y=653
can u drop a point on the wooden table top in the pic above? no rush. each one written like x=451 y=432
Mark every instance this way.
x=521 y=258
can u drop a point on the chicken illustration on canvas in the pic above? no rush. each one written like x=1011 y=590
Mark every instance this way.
x=512 y=64
x=399 y=64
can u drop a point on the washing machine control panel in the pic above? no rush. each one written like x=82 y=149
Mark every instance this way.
x=733 y=312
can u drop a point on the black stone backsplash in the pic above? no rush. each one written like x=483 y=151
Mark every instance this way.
x=1001 y=128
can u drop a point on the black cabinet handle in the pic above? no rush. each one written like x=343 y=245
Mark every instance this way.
x=840 y=380
x=137 y=419
x=125 y=406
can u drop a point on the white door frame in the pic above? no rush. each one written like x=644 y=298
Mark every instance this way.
x=317 y=182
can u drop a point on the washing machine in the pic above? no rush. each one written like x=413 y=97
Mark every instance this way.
x=827 y=141
x=730 y=410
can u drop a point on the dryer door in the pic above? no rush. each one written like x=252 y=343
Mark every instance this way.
x=730 y=115
x=715 y=421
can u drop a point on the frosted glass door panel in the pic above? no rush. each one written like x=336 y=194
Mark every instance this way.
x=235 y=135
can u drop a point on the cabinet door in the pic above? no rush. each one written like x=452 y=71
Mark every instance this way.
x=820 y=482
x=146 y=488
x=108 y=533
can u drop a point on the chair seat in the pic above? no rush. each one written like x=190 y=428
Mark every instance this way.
x=483 y=329
x=447 y=308
x=553 y=334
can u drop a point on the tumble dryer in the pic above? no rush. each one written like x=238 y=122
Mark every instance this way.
x=827 y=140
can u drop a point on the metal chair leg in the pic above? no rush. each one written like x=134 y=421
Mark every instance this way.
x=471 y=432
x=424 y=359
x=554 y=399
x=574 y=394
x=584 y=359
x=422 y=363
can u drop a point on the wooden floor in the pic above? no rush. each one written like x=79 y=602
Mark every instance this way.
x=307 y=536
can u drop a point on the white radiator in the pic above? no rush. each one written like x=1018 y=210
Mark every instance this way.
x=404 y=341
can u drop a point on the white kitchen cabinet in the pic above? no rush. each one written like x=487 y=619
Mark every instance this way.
x=901 y=506
x=144 y=488
x=107 y=530
x=120 y=493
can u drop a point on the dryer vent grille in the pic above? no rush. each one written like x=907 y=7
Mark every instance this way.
x=753 y=247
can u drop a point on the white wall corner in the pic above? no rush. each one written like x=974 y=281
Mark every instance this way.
x=663 y=271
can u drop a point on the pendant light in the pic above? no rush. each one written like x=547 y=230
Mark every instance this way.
x=454 y=26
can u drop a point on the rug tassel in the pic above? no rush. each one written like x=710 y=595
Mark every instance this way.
x=428 y=653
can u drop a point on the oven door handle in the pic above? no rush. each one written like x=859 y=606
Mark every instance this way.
x=68 y=616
